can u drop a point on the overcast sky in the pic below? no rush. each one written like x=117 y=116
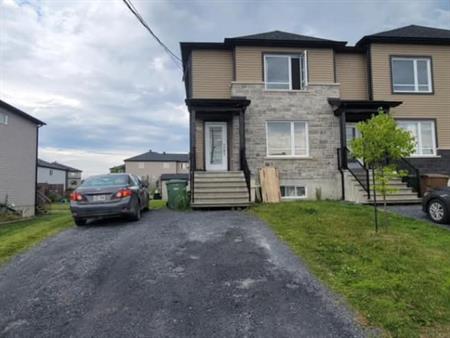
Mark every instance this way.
x=108 y=91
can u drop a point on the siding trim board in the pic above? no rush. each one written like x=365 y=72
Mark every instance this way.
x=408 y=56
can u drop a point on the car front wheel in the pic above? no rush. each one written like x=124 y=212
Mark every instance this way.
x=438 y=211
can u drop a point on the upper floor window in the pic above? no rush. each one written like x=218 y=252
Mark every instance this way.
x=287 y=139
x=141 y=165
x=424 y=134
x=411 y=75
x=166 y=165
x=3 y=118
x=285 y=72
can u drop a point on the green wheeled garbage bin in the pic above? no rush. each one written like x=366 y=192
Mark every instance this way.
x=177 y=194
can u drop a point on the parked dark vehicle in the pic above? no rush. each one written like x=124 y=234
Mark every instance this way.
x=109 y=196
x=436 y=203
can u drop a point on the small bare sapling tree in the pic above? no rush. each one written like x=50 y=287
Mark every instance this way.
x=381 y=143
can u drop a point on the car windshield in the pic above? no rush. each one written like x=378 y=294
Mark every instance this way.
x=106 y=181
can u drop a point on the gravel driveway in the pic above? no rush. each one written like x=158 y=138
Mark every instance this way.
x=172 y=274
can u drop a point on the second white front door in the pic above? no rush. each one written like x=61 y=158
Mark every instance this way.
x=216 y=153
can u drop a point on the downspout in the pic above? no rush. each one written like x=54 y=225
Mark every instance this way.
x=36 y=170
x=369 y=72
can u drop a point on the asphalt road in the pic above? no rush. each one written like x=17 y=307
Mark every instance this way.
x=172 y=274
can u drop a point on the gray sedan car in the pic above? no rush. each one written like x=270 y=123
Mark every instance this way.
x=436 y=203
x=109 y=196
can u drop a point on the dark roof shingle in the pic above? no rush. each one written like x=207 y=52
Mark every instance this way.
x=56 y=165
x=153 y=156
x=280 y=37
x=411 y=33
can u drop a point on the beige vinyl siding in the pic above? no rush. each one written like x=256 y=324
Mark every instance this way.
x=212 y=73
x=435 y=106
x=249 y=63
x=351 y=73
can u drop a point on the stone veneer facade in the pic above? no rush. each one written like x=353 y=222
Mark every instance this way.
x=320 y=169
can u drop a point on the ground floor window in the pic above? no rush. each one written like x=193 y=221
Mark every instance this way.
x=287 y=138
x=424 y=134
x=292 y=191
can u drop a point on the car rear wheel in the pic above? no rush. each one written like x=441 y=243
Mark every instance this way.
x=80 y=221
x=136 y=216
x=438 y=211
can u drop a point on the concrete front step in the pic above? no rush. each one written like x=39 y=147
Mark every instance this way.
x=219 y=204
x=217 y=190
x=219 y=179
x=396 y=196
x=220 y=195
x=221 y=185
x=218 y=174
x=396 y=201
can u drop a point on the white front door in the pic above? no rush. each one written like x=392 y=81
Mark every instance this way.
x=216 y=157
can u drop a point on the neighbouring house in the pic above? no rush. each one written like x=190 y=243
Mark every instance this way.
x=19 y=135
x=151 y=165
x=292 y=102
x=57 y=178
x=73 y=178
x=117 y=169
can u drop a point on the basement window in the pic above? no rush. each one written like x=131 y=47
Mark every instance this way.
x=285 y=72
x=292 y=192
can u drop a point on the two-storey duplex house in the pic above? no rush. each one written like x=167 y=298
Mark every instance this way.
x=292 y=101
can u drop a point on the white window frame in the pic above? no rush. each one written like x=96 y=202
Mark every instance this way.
x=419 y=147
x=296 y=197
x=4 y=120
x=303 y=69
x=292 y=154
x=416 y=79
x=141 y=165
x=166 y=165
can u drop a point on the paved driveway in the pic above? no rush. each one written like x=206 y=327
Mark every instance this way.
x=415 y=211
x=172 y=274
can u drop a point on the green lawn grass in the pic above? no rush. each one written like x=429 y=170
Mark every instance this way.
x=157 y=204
x=18 y=236
x=397 y=279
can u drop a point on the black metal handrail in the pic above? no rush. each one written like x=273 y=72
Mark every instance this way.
x=412 y=177
x=359 y=171
x=192 y=171
x=247 y=173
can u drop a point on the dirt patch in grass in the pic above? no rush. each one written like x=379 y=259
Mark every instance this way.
x=397 y=279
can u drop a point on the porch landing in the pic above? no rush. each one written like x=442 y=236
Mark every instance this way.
x=219 y=189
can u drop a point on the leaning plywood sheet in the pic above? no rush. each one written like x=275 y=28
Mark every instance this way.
x=270 y=185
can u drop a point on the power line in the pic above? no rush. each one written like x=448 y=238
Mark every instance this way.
x=133 y=10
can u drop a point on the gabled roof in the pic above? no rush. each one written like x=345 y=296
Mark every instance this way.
x=278 y=35
x=409 y=34
x=280 y=38
x=72 y=169
x=20 y=113
x=153 y=156
x=56 y=165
